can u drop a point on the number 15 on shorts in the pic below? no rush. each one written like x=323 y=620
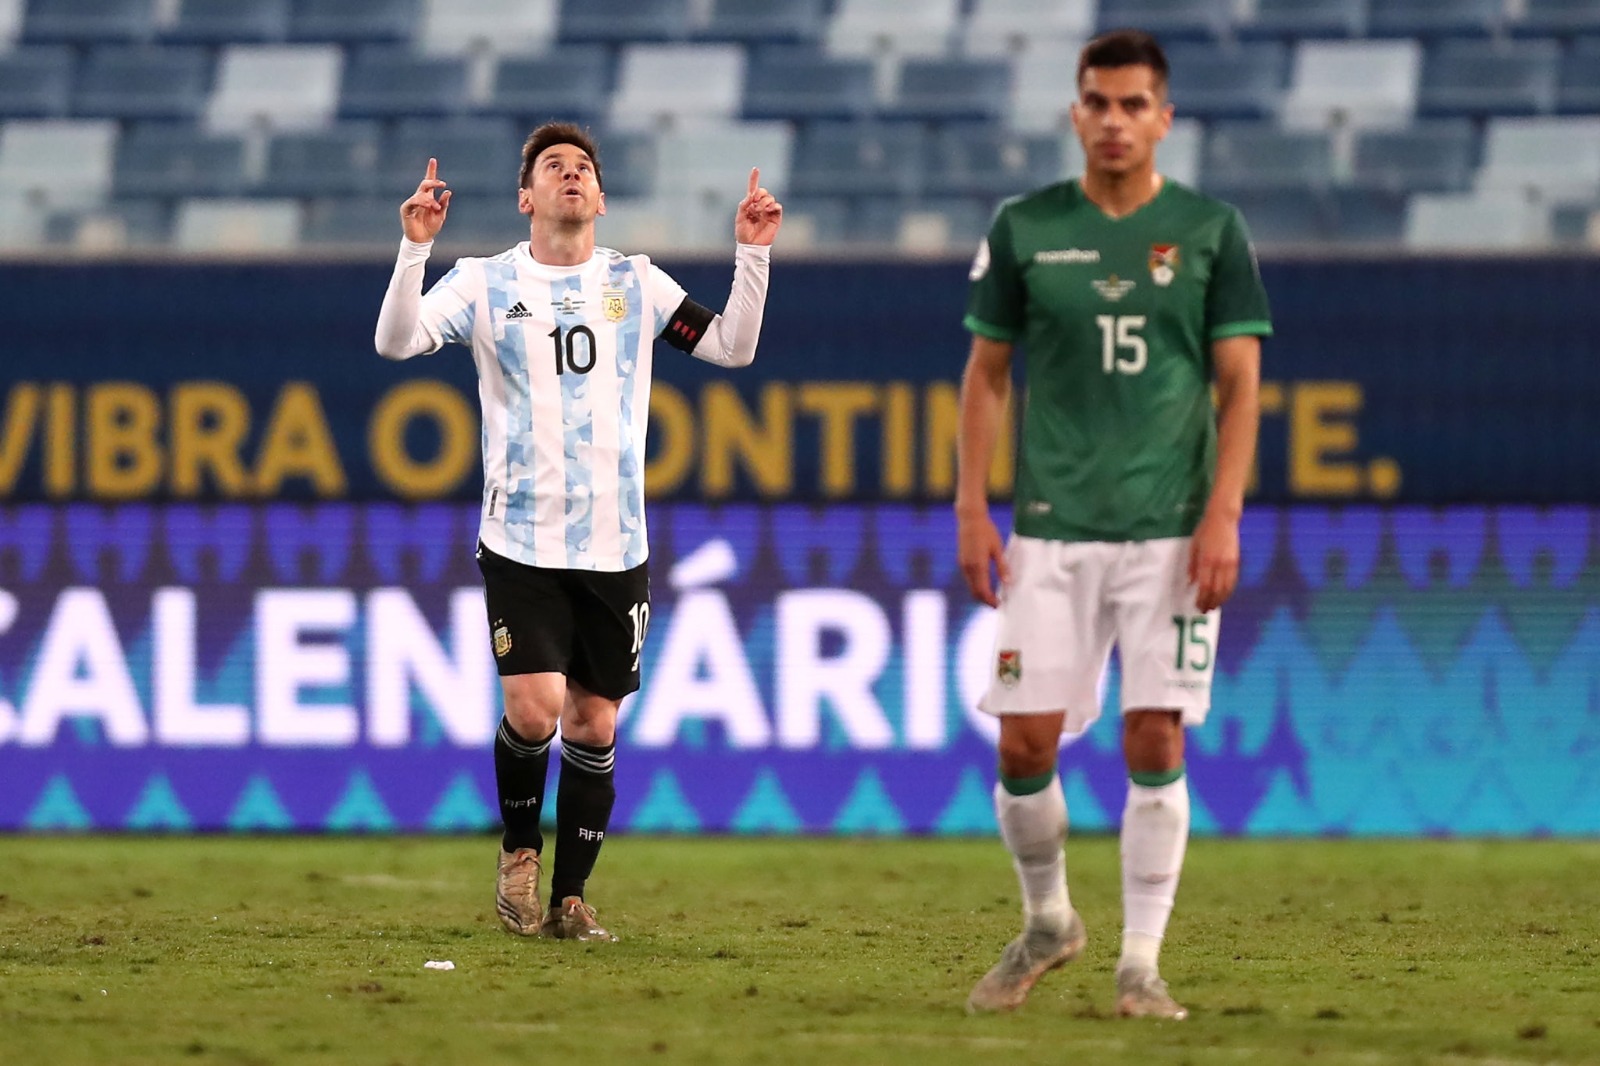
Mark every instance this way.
x=1193 y=643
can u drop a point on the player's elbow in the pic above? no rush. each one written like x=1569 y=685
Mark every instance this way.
x=389 y=348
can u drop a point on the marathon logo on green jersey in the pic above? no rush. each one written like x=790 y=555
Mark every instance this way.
x=1068 y=255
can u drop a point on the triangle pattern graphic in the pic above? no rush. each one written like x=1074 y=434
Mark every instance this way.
x=665 y=809
x=1083 y=809
x=57 y=807
x=460 y=807
x=360 y=808
x=1282 y=811
x=1201 y=820
x=158 y=807
x=868 y=809
x=258 y=807
x=971 y=807
x=766 y=808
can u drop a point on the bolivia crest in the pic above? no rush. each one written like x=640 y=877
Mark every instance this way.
x=1163 y=263
x=1008 y=667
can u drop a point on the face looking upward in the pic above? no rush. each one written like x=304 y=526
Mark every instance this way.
x=563 y=187
x=1120 y=115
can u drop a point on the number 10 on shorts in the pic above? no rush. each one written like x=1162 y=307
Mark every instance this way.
x=640 y=614
x=1194 y=643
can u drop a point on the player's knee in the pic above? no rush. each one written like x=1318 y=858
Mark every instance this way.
x=1025 y=756
x=531 y=713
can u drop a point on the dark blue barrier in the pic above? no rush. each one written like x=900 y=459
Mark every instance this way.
x=1406 y=380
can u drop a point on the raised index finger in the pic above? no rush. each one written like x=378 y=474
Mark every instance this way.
x=755 y=181
x=433 y=169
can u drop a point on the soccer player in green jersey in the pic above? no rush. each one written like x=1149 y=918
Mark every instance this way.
x=1131 y=296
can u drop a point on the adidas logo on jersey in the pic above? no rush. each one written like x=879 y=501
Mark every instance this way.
x=517 y=310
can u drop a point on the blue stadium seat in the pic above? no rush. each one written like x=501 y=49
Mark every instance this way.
x=1284 y=215
x=35 y=82
x=926 y=226
x=849 y=158
x=354 y=21
x=229 y=22
x=1435 y=18
x=1578 y=91
x=387 y=82
x=798 y=83
x=1570 y=224
x=1245 y=81
x=1294 y=19
x=355 y=221
x=477 y=156
x=1261 y=155
x=86 y=22
x=143 y=82
x=1169 y=20
x=625 y=21
x=341 y=160
x=175 y=159
x=1367 y=216
x=766 y=21
x=574 y=83
x=482 y=225
x=1433 y=156
x=1489 y=78
x=116 y=226
x=627 y=162
x=1559 y=18
x=984 y=160
x=817 y=220
x=953 y=89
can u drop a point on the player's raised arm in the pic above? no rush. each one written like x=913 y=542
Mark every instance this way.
x=759 y=214
x=422 y=215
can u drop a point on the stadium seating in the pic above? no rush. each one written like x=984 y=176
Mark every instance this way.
x=1550 y=159
x=176 y=160
x=624 y=21
x=89 y=22
x=1010 y=27
x=1172 y=20
x=142 y=82
x=653 y=91
x=575 y=85
x=36 y=82
x=386 y=82
x=1304 y=19
x=952 y=89
x=1240 y=82
x=800 y=84
x=57 y=163
x=493 y=27
x=1558 y=18
x=1433 y=156
x=1475 y=220
x=1578 y=89
x=766 y=21
x=1469 y=77
x=217 y=22
x=1355 y=83
x=275 y=87
x=237 y=226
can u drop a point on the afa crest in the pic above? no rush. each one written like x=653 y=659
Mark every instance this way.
x=1163 y=263
x=614 y=302
x=502 y=642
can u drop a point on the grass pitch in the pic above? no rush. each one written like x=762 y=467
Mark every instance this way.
x=273 y=950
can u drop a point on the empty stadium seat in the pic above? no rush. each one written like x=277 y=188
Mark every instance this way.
x=797 y=83
x=36 y=82
x=239 y=227
x=1553 y=158
x=1578 y=88
x=498 y=27
x=1010 y=27
x=11 y=12
x=229 y=22
x=574 y=84
x=1240 y=82
x=1367 y=216
x=176 y=160
x=1251 y=155
x=143 y=82
x=386 y=82
x=119 y=226
x=353 y=221
x=654 y=85
x=1359 y=83
x=477 y=156
x=275 y=86
x=847 y=158
x=1558 y=18
x=878 y=27
x=1431 y=156
x=354 y=21
x=816 y=221
x=1179 y=156
x=1497 y=220
x=1490 y=78
x=1169 y=20
x=57 y=163
x=987 y=161
x=713 y=162
x=1435 y=18
x=1294 y=19
x=628 y=163
x=340 y=160
x=88 y=22
x=766 y=21
x=624 y=21
x=953 y=89
x=1279 y=216
x=1044 y=86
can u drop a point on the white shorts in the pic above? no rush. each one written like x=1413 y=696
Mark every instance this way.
x=1068 y=602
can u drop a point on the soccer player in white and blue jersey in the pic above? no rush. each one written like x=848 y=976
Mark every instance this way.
x=562 y=333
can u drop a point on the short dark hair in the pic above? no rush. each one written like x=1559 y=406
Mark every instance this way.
x=548 y=136
x=1124 y=48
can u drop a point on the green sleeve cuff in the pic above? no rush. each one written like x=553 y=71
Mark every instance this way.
x=977 y=325
x=1258 y=327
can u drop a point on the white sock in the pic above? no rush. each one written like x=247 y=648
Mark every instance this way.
x=1034 y=828
x=1155 y=833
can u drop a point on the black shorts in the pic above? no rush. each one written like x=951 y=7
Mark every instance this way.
x=586 y=624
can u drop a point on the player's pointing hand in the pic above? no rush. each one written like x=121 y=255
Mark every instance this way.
x=422 y=215
x=759 y=214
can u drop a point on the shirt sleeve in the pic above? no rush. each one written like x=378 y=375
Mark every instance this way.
x=1236 y=301
x=412 y=324
x=996 y=299
x=665 y=296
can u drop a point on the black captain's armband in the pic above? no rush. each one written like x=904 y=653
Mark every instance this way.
x=687 y=325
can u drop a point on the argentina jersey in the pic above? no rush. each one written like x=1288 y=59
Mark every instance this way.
x=564 y=360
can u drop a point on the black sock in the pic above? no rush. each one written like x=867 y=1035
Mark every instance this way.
x=520 y=768
x=583 y=811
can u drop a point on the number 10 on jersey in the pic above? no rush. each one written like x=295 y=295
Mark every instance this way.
x=1122 y=350
x=567 y=353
